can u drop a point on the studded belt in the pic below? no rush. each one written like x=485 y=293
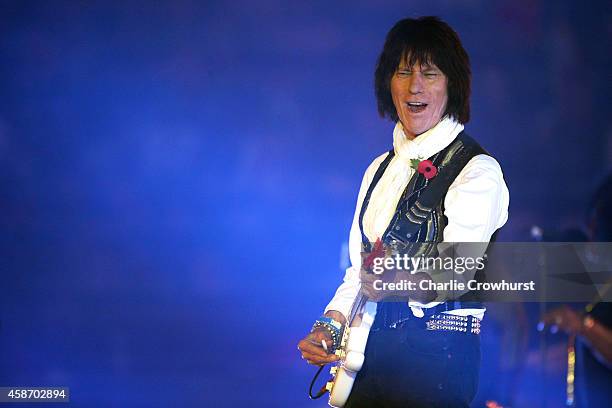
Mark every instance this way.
x=393 y=315
x=449 y=322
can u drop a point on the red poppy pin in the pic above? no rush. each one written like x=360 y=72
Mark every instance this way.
x=424 y=167
x=377 y=252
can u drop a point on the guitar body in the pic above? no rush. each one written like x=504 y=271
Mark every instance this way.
x=352 y=355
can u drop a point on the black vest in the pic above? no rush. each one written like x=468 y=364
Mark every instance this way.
x=419 y=219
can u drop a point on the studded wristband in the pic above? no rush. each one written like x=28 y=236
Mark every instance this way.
x=332 y=326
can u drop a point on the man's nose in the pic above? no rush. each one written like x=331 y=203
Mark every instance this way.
x=416 y=83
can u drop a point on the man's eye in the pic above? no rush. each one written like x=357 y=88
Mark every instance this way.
x=404 y=73
x=431 y=74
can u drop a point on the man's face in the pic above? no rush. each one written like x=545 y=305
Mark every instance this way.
x=419 y=94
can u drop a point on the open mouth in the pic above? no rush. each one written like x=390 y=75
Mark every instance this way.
x=416 y=107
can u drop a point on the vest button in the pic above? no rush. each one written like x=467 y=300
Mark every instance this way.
x=408 y=235
x=397 y=227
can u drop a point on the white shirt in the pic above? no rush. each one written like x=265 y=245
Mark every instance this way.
x=476 y=205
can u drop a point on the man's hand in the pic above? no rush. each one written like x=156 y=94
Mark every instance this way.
x=367 y=277
x=564 y=318
x=367 y=285
x=312 y=349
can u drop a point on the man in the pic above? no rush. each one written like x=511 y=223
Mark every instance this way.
x=436 y=185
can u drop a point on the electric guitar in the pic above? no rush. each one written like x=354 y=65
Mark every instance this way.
x=351 y=351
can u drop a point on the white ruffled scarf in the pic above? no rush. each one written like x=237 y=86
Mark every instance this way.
x=394 y=180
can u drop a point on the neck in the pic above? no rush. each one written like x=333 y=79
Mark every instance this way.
x=412 y=136
x=410 y=146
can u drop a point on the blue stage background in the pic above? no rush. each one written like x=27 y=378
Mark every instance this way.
x=178 y=180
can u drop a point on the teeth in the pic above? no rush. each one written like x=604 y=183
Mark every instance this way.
x=416 y=104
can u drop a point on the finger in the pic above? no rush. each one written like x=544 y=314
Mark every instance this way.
x=372 y=293
x=318 y=354
x=313 y=348
x=369 y=294
x=365 y=293
x=319 y=345
x=369 y=277
x=319 y=335
x=365 y=273
x=315 y=351
x=328 y=342
x=315 y=363
x=369 y=280
x=312 y=359
x=315 y=359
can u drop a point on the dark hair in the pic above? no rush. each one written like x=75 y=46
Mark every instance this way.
x=425 y=40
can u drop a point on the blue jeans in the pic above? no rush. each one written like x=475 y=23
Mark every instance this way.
x=410 y=366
